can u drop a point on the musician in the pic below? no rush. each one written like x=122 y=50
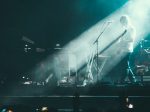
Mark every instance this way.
x=126 y=43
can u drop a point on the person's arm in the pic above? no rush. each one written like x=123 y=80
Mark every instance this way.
x=133 y=34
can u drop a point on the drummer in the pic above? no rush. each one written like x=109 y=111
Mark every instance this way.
x=142 y=62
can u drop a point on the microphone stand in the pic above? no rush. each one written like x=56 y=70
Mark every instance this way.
x=97 y=45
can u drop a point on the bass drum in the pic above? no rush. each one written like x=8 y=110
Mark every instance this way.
x=139 y=62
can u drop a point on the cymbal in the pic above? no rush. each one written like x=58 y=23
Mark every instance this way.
x=103 y=56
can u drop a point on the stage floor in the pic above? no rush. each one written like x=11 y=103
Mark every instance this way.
x=99 y=89
x=66 y=99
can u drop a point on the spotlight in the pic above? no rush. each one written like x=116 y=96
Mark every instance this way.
x=57 y=45
x=130 y=106
x=9 y=110
x=37 y=110
x=127 y=100
x=4 y=110
x=23 y=77
x=44 y=109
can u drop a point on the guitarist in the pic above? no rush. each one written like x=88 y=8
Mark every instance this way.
x=126 y=43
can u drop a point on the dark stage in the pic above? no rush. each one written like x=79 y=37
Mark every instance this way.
x=74 y=56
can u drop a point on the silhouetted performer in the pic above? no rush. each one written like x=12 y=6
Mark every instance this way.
x=126 y=44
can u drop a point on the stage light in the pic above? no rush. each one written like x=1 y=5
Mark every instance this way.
x=57 y=45
x=37 y=110
x=44 y=109
x=130 y=106
x=127 y=100
x=4 y=110
x=9 y=110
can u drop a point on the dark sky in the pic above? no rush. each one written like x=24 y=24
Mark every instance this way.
x=46 y=22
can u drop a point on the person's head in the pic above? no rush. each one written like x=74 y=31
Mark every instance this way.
x=124 y=20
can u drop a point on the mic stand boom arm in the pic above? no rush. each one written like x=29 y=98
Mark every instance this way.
x=97 y=45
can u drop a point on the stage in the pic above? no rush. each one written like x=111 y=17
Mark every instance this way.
x=75 y=56
x=65 y=99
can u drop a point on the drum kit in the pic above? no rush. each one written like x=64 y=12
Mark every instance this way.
x=139 y=60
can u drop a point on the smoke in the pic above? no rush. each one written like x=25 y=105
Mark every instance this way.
x=82 y=47
x=139 y=11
